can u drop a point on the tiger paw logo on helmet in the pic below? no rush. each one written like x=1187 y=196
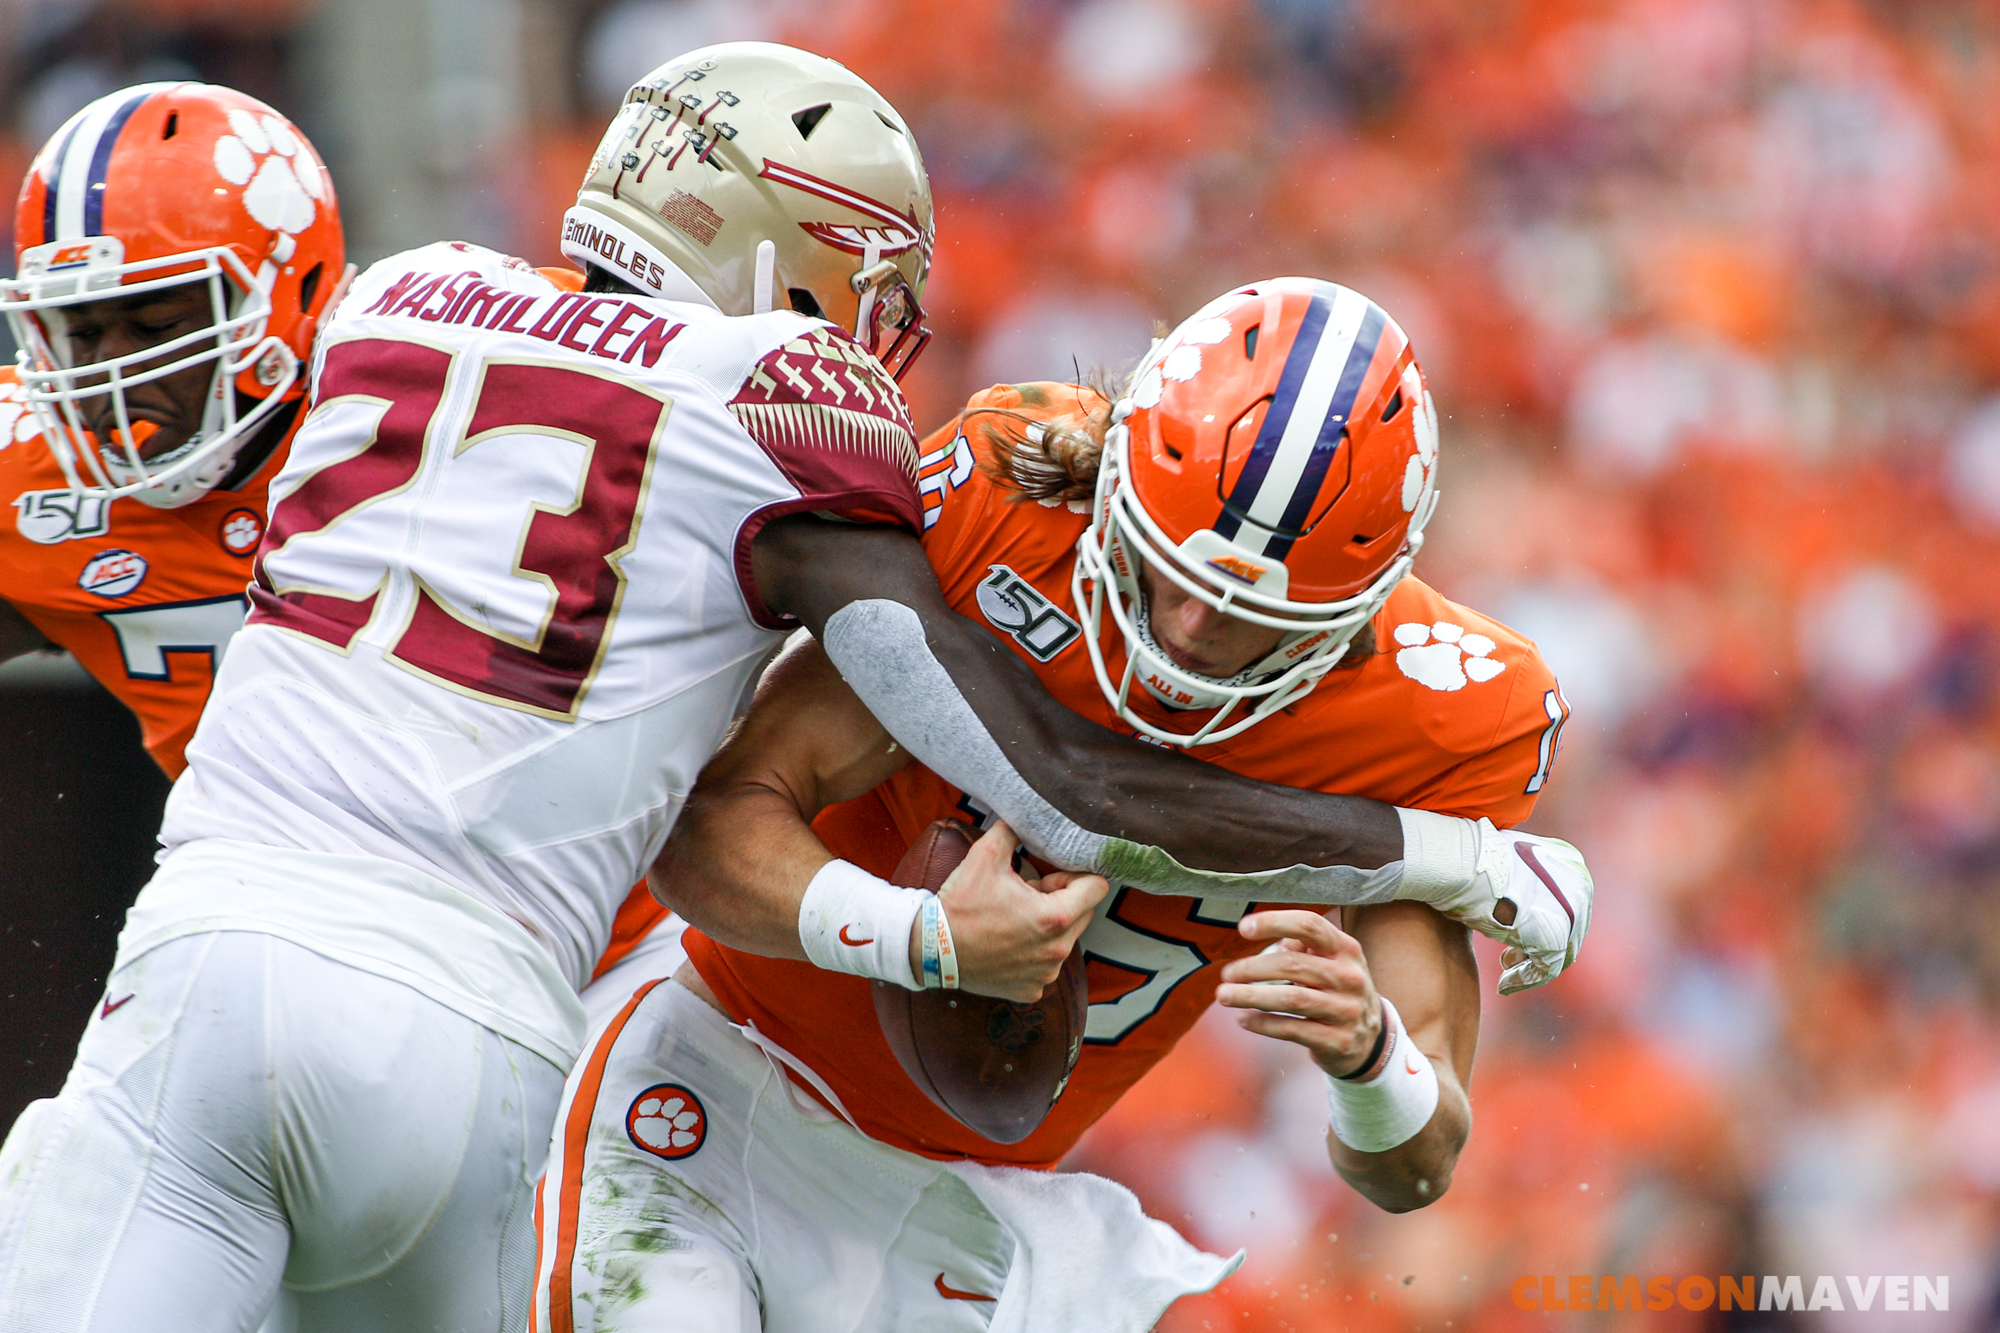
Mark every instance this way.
x=281 y=182
x=17 y=423
x=1443 y=656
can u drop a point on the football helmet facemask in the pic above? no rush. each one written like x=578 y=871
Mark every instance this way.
x=158 y=186
x=751 y=176
x=1275 y=457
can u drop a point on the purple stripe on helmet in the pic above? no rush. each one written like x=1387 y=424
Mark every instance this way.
x=1236 y=505
x=100 y=162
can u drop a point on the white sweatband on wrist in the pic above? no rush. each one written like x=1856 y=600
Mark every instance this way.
x=1440 y=855
x=1388 y=1109
x=850 y=921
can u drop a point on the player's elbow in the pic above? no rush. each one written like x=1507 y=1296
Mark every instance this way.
x=1422 y=1193
x=1400 y=1191
x=1415 y=1175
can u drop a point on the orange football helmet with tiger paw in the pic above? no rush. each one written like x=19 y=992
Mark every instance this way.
x=158 y=186
x=1275 y=457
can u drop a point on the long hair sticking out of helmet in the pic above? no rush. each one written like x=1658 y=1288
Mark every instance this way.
x=1049 y=458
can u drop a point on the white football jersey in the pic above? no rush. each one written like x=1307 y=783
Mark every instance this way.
x=503 y=611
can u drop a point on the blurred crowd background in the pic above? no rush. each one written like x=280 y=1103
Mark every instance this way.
x=1709 y=296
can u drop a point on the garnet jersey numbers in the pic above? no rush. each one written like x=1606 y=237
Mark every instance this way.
x=502 y=612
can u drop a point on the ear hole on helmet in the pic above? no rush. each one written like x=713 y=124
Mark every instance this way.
x=173 y=126
x=808 y=120
x=309 y=286
x=1395 y=405
x=805 y=303
x=1250 y=342
x=890 y=123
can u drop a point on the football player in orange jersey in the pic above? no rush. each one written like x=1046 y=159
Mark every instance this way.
x=213 y=219
x=1258 y=499
x=178 y=245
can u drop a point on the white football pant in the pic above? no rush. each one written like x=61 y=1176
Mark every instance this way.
x=252 y=1130
x=692 y=1188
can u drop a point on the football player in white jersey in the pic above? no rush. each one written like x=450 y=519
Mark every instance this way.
x=529 y=554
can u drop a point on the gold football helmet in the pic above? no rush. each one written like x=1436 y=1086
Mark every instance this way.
x=750 y=176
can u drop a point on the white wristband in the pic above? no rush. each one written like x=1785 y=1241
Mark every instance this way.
x=1391 y=1107
x=1440 y=855
x=850 y=921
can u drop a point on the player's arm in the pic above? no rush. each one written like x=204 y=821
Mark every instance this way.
x=18 y=634
x=1397 y=1074
x=1085 y=798
x=979 y=717
x=743 y=856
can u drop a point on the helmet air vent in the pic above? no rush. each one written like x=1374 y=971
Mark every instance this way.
x=805 y=303
x=309 y=286
x=1395 y=406
x=1250 y=342
x=173 y=126
x=808 y=120
x=890 y=123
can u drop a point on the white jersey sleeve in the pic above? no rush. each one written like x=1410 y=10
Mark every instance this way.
x=503 y=612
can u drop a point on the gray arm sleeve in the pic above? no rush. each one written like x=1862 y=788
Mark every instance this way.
x=880 y=649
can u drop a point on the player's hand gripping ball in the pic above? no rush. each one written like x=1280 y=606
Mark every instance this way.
x=995 y=1066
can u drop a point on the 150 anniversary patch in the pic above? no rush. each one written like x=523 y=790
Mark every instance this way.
x=1014 y=606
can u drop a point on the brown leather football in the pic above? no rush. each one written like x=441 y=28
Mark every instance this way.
x=994 y=1066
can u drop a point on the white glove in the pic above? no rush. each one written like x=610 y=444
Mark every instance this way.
x=1545 y=880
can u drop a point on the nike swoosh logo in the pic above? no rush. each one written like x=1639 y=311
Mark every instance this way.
x=954 y=1294
x=1526 y=851
x=110 y=1007
x=856 y=943
x=1409 y=1065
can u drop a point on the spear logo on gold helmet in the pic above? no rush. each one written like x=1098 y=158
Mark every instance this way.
x=751 y=176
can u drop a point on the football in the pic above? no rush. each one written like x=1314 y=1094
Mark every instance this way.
x=993 y=1065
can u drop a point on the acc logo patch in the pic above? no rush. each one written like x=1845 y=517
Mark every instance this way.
x=113 y=573
x=667 y=1121
x=49 y=517
x=1240 y=570
x=1013 y=605
x=240 y=531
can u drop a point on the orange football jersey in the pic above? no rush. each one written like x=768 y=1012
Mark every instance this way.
x=1452 y=713
x=146 y=599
